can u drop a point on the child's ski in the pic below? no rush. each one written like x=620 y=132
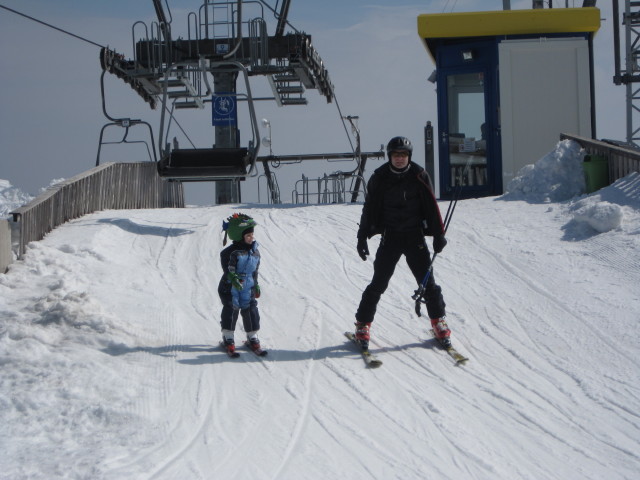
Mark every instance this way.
x=258 y=351
x=369 y=358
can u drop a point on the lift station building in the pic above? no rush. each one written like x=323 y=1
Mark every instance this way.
x=508 y=83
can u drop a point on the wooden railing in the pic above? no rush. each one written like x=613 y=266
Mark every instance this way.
x=622 y=160
x=6 y=255
x=109 y=186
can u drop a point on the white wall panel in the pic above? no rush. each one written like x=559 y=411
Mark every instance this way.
x=544 y=91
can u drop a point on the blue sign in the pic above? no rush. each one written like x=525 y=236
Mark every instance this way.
x=225 y=113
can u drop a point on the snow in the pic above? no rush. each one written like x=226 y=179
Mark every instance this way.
x=555 y=177
x=601 y=216
x=110 y=369
x=11 y=198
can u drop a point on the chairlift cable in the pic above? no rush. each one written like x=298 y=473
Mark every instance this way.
x=174 y=119
x=52 y=26
x=358 y=160
x=276 y=14
x=342 y=120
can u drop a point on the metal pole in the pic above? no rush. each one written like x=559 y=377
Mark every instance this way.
x=628 y=70
x=429 y=164
x=617 y=79
x=226 y=136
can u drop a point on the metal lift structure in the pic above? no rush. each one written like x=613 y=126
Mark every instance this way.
x=227 y=40
x=629 y=76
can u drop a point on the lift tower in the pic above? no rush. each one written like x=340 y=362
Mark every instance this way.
x=630 y=76
x=227 y=40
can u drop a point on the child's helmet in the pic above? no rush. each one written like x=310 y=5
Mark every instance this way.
x=237 y=225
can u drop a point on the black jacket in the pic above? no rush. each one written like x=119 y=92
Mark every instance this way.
x=400 y=202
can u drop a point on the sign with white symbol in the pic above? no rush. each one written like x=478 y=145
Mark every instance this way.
x=224 y=109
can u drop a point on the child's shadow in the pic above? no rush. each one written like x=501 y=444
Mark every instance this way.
x=278 y=355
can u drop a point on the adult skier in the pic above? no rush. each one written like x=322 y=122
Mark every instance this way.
x=401 y=206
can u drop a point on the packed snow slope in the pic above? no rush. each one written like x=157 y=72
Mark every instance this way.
x=110 y=367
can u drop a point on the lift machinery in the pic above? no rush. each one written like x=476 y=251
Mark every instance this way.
x=225 y=40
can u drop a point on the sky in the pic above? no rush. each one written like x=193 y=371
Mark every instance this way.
x=50 y=103
x=111 y=367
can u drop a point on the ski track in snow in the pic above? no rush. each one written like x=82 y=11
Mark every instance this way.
x=540 y=370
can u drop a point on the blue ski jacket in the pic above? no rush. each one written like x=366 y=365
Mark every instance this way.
x=244 y=260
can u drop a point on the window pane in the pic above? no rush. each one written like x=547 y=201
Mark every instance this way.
x=467 y=142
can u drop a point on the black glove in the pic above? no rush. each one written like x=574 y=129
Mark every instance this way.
x=363 y=248
x=439 y=242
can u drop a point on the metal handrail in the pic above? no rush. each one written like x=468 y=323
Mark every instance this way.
x=330 y=189
x=273 y=189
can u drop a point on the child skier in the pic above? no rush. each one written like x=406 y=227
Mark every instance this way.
x=238 y=287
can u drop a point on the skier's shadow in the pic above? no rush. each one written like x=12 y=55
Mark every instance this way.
x=334 y=351
x=430 y=344
x=171 y=351
x=215 y=354
x=164 y=351
x=278 y=355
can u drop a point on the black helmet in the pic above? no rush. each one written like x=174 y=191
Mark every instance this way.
x=397 y=144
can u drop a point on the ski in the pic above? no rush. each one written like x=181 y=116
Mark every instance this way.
x=259 y=352
x=233 y=354
x=369 y=358
x=453 y=353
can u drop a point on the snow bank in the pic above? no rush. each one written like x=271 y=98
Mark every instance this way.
x=559 y=177
x=556 y=177
x=601 y=216
x=11 y=198
x=608 y=208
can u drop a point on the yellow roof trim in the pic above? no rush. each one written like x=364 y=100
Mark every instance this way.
x=508 y=22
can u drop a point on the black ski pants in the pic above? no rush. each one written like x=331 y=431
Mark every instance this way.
x=392 y=246
x=229 y=315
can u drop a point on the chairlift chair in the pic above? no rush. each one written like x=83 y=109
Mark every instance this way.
x=210 y=164
x=127 y=124
x=205 y=164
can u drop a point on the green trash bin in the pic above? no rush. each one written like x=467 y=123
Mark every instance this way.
x=596 y=172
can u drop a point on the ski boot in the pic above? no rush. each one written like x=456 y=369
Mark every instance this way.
x=441 y=331
x=362 y=334
x=254 y=344
x=228 y=344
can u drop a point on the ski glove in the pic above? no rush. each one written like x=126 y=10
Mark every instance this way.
x=439 y=242
x=256 y=291
x=363 y=248
x=235 y=280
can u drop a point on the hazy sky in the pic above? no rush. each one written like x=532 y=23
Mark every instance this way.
x=50 y=103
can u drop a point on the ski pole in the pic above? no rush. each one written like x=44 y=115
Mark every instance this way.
x=418 y=295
